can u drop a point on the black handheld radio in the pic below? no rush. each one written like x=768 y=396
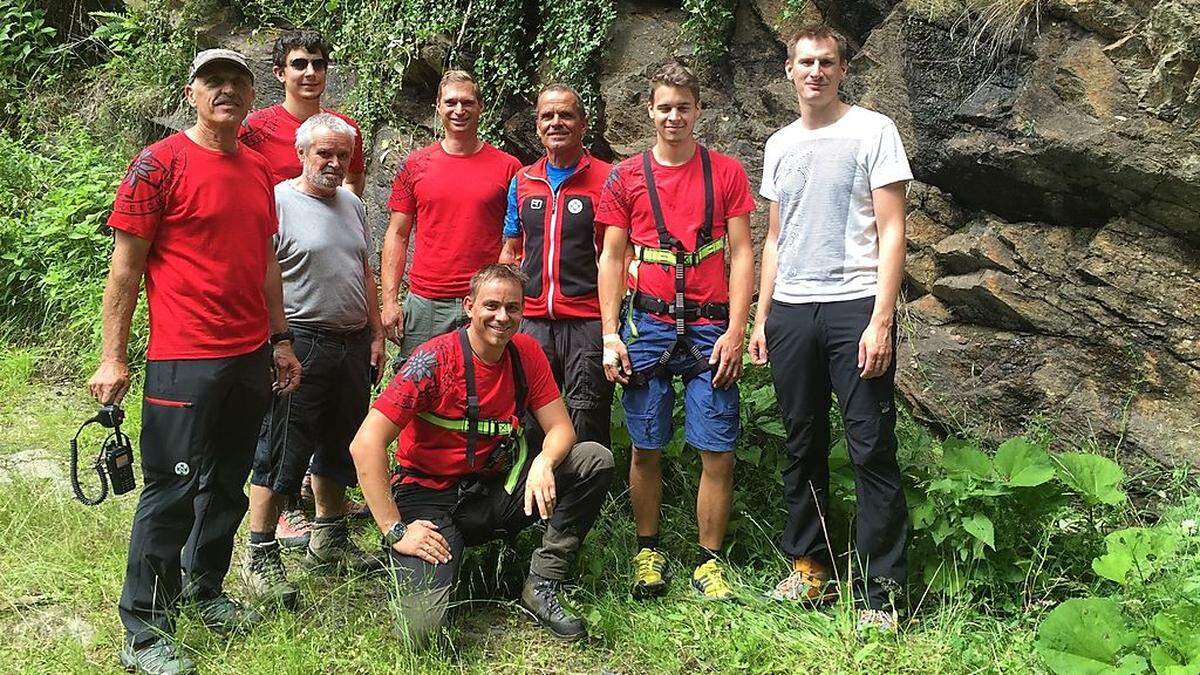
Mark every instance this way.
x=114 y=462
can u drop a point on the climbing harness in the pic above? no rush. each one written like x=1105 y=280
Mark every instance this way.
x=672 y=253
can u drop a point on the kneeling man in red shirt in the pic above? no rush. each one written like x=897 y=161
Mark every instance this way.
x=464 y=473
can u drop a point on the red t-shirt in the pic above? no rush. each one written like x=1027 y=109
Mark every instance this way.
x=625 y=203
x=209 y=217
x=459 y=202
x=272 y=133
x=432 y=381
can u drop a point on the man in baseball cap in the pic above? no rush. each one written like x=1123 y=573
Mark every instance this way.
x=209 y=56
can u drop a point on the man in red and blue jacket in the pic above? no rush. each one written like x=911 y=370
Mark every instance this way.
x=550 y=227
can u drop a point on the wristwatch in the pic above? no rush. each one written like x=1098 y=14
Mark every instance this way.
x=395 y=534
x=281 y=336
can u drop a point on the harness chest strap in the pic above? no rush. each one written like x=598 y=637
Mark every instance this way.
x=473 y=426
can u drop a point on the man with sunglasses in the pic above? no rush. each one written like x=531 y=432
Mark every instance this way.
x=301 y=62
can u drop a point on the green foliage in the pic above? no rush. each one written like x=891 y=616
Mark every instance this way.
x=1137 y=550
x=1154 y=613
x=1097 y=479
x=26 y=47
x=1088 y=635
x=502 y=42
x=572 y=35
x=708 y=25
x=54 y=246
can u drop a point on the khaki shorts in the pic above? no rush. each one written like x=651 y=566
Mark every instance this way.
x=425 y=319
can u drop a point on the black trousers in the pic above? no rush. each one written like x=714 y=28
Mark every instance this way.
x=318 y=420
x=200 y=419
x=813 y=349
x=575 y=350
x=473 y=513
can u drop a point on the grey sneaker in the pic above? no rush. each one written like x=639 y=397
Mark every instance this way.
x=540 y=597
x=224 y=615
x=157 y=658
x=877 y=621
x=330 y=546
x=265 y=578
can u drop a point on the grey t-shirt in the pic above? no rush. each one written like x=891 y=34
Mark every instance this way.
x=322 y=247
x=822 y=179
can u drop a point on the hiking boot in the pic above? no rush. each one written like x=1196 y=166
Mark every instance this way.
x=650 y=574
x=709 y=580
x=224 y=615
x=330 y=545
x=160 y=657
x=264 y=577
x=877 y=621
x=540 y=597
x=809 y=582
x=293 y=529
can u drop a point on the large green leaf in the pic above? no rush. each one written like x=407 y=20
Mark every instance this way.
x=1134 y=554
x=1084 y=636
x=1023 y=463
x=965 y=458
x=1097 y=479
x=980 y=527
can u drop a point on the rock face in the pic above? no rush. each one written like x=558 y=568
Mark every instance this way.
x=1054 y=232
x=1054 y=248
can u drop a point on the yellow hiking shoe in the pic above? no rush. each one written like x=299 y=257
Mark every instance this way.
x=709 y=579
x=649 y=573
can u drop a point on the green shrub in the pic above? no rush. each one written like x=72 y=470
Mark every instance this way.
x=54 y=246
x=27 y=47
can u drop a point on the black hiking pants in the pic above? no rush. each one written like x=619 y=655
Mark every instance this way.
x=575 y=350
x=475 y=512
x=813 y=349
x=200 y=420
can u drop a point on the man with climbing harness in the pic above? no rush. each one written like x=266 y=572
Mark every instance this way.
x=833 y=261
x=551 y=227
x=686 y=209
x=465 y=474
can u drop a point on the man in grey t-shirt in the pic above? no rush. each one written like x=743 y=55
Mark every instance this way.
x=329 y=297
x=831 y=268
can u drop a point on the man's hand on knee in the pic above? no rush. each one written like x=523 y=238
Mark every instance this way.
x=422 y=540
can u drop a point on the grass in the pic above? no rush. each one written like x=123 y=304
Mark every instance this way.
x=61 y=567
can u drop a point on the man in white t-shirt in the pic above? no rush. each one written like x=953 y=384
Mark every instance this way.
x=831 y=269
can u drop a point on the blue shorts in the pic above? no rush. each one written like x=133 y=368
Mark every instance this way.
x=711 y=420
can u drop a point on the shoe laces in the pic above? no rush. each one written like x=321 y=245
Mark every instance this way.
x=712 y=578
x=265 y=561
x=296 y=519
x=338 y=533
x=648 y=561
x=547 y=590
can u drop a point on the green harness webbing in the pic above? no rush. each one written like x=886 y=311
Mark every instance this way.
x=473 y=426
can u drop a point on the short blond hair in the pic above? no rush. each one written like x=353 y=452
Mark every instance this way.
x=819 y=31
x=499 y=272
x=458 y=77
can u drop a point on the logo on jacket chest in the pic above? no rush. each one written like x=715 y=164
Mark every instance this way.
x=537 y=204
x=575 y=206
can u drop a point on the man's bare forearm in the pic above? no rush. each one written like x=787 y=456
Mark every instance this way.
x=770 y=265
x=741 y=276
x=273 y=291
x=373 y=318
x=890 y=205
x=394 y=256
x=611 y=279
x=120 y=299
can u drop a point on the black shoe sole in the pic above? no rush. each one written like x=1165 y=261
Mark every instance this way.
x=564 y=637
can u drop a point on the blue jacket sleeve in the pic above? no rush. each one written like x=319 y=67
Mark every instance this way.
x=512 y=224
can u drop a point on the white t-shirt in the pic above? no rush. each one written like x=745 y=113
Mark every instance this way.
x=822 y=180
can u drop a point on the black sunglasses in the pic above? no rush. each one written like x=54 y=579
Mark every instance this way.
x=302 y=64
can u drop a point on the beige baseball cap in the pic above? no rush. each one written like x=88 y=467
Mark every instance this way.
x=211 y=55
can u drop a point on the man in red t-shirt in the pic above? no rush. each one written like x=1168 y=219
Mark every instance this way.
x=685 y=209
x=301 y=62
x=453 y=488
x=455 y=193
x=194 y=215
